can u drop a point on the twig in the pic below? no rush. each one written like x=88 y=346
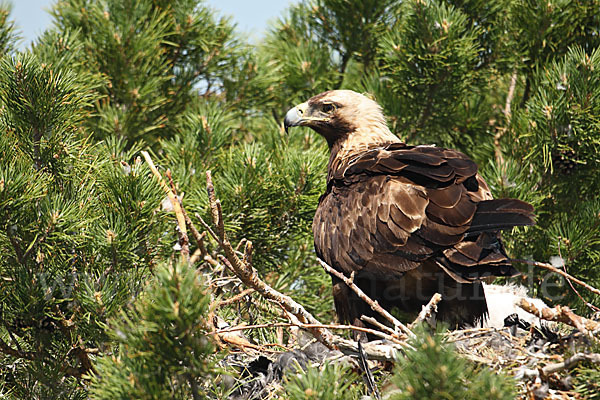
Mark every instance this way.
x=560 y=272
x=571 y=362
x=207 y=227
x=235 y=298
x=198 y=237
x=507 y=116
x=248 y=275
x=561 y=314
x=312 y=326
x=564 y=267
x=399 y=326
x=378 y=324
x=427 y=310
x=561 y=366
x=81 y=352
x=183 y=237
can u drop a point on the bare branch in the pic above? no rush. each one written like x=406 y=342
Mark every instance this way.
x=560 y=272
x=571 y=362
x=561 y=366
x=183 y=237
x=427 y=310
x=561 y=314
x=248 y=275
x=399 y=326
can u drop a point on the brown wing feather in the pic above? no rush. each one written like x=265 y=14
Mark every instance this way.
x=388 y=209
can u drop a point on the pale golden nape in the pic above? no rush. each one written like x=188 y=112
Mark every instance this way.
x=365 y=115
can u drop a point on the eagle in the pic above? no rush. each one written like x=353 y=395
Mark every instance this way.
x=406 y=221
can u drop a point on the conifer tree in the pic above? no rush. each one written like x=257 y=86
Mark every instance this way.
x=79 y=230
x=8 y=36
x=87 y=266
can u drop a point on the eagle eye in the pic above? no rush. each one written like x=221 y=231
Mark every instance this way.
x=327 y=108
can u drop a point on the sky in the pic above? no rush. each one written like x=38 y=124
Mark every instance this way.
x=251 y=16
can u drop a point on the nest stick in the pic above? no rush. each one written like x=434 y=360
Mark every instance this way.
x=561 y=314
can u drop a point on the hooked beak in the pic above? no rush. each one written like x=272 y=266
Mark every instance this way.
x=295 y=116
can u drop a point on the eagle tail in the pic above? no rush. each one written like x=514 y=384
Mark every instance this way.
x=492 y=215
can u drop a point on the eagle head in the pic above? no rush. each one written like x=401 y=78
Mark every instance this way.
x=339 y=114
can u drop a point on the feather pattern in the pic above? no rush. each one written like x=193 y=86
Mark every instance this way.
x=409 y=221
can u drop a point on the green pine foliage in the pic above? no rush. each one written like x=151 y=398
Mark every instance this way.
x=557 y=136
x=8 y=36
x=163 y=351
x=84 y=233
x=157 y=56
x=429 y=61
x=433 y=370
x=586 y=383
x=327 y=382
x=79 y=228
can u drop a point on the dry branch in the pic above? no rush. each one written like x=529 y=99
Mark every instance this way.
x=235 y=298
x=427 y=310
x=399 y=326
x=561 y=314
x=375 y=350
x=242 y=268
x=560 y=366
x=183 y=236
x=560 y=272
x=571 y=362
x=248 y=275
x=312 y=326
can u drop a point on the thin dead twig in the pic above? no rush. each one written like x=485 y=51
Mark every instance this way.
x=183 y=237
x=399 y=326
x=378 y=324
x=248 y=275
x=560 y=272
x=426 y=311
x=564 y=267
x=235 y=298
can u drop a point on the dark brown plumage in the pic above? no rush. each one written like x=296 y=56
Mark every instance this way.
x=409 y=221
